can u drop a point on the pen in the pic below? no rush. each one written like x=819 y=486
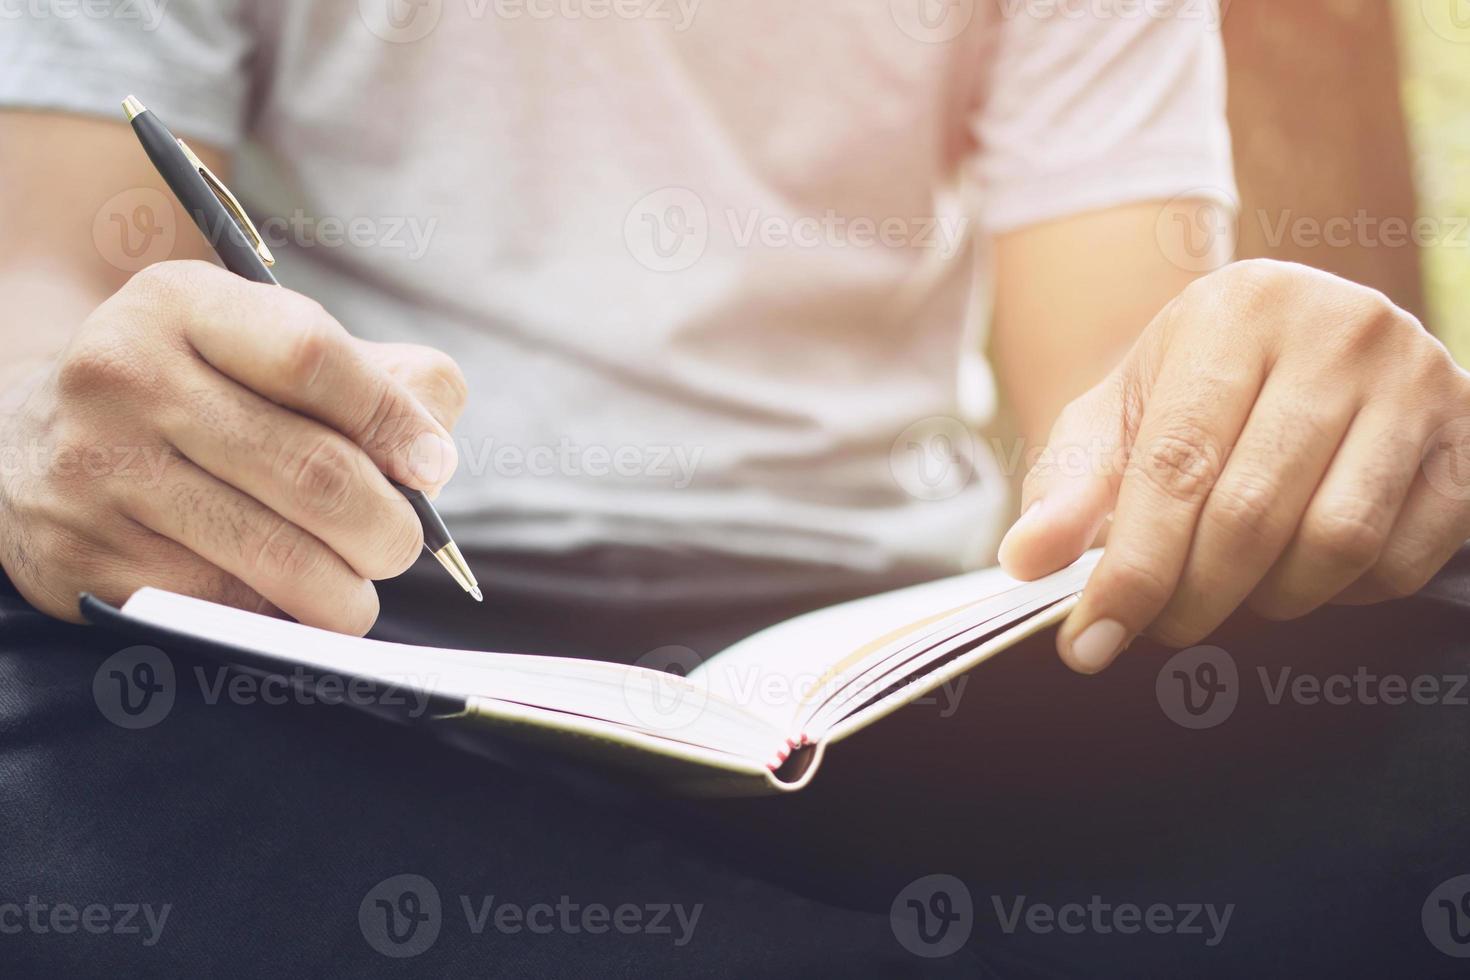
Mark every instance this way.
x=240 y=247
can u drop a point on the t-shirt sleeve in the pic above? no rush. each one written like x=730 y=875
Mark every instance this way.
x=1095 y=105
x=186 y=58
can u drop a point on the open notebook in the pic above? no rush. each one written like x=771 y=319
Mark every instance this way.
x=754 y=718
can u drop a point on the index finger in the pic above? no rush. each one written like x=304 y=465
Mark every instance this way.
x=1195 y=411
x=286 y=347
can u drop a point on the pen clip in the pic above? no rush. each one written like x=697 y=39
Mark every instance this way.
x=231 y=205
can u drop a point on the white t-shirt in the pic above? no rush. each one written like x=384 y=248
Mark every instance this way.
x=714 y=268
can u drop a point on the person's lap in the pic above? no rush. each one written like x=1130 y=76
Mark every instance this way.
x=267 y=829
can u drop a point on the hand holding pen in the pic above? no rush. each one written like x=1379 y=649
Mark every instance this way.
x=233 y=235
x=224 y=439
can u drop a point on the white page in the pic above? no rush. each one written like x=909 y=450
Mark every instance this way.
x=770 y=672
x=656 y=703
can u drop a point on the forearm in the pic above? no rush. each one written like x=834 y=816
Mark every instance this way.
x=1073 y=295
x=74 y=188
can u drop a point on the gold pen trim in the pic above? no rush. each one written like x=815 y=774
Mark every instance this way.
x=232 y=205
x=134 y=108
x=453 y=561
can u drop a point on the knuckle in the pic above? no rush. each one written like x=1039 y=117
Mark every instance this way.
x=1135 y=577
x=453 y=389
x=319 y=471
x=1433 y=369
x=1243 y=508
x=94 y=367
x=286 y=553
x=1254 y=281
x=314 y=338
x=1260 y=270
x=387 y=424
x=169 y=280
x=1366 y=319
x=1382 y=315
x=1182 y=464
x=1344 y=536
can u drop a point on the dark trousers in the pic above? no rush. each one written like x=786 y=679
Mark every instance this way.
x=1296 y=803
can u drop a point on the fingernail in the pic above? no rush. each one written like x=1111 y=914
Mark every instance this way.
x=1098 y=645
x=432 y=459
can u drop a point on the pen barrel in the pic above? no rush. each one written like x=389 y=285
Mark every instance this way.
x=214 y=221
x=436 y=535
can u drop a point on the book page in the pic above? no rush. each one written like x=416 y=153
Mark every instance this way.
x=659 y=704
x=777 y=671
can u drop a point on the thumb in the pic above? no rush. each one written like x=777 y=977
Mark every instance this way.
x=1073 y=486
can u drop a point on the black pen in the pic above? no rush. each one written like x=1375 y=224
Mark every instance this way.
x=234 y=237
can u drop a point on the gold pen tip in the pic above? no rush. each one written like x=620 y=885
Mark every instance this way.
x=479 y=596
x=133 y=107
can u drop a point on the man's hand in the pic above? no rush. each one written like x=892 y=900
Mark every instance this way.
x=227 y=440
x=1277 y=437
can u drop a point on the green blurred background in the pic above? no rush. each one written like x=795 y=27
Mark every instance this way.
x=1358 y=111
x=1434 y=45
